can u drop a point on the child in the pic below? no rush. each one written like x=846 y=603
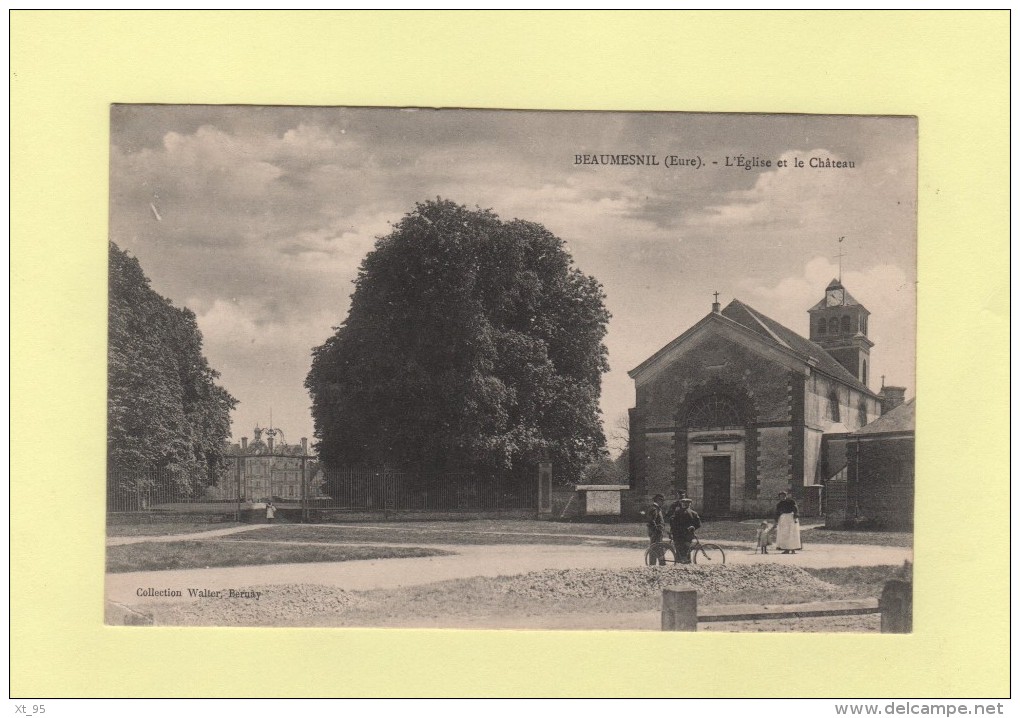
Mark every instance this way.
x=762 y=537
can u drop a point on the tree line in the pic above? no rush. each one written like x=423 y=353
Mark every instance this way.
x=165 y=410
x=472 y=344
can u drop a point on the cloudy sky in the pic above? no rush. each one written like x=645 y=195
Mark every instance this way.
x=257 y=218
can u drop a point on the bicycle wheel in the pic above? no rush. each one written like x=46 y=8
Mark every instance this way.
x=659 y=553
x=709 y=553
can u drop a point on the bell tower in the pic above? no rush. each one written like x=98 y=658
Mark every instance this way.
x=839 y=325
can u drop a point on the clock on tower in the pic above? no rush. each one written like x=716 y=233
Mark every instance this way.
x=839 y=324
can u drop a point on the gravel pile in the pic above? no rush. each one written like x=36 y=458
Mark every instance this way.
x=278 y=605
x=554 y=584
x=555 y=589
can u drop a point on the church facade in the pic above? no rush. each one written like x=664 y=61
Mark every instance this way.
x=734 y=409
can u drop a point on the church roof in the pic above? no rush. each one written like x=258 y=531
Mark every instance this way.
x=899 y=419
x=848 y=301
x=775 y=332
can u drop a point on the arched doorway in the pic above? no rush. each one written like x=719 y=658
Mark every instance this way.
x=715 y=454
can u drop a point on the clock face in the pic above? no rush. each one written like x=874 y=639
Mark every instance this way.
x=834 y=297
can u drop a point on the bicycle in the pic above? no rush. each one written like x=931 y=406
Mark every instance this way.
x=707 y=553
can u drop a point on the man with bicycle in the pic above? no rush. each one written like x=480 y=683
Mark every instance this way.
x=682 y=523
x=656 y=524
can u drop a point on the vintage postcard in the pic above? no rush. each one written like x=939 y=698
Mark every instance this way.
x=405 y=368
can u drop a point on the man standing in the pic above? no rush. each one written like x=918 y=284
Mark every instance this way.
x=683 y=523
x=675 y=506
x=656 y=524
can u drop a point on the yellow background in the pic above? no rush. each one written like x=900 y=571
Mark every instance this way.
x=950 y=69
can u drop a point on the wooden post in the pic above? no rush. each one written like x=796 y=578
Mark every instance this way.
x=679 y=609
x=897 y=607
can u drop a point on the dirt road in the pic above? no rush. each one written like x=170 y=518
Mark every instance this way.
x=468 y=561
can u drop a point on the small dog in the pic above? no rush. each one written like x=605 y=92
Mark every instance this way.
x=762 y=537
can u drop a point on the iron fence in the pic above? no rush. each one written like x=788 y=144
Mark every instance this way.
x=366 y=489
x=243 y=480
x=162 y=489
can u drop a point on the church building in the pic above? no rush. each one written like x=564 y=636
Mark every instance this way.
x=734 y=409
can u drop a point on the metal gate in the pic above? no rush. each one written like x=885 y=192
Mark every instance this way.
x=367 y=489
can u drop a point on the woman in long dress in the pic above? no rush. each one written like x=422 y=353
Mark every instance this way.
x=787 y=525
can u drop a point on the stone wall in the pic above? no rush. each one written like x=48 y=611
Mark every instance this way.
x=774 y=465
x=817 y=411
x=812 y=456
x=660 y=464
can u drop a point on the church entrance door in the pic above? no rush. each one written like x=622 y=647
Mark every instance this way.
x=716 y=473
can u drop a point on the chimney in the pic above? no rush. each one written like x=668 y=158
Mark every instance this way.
x=304 y=445
x=244 y=443
x=891 y=396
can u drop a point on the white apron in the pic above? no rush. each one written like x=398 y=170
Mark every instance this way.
x=787 y=533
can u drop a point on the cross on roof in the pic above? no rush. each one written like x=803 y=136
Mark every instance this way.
x=716 y=294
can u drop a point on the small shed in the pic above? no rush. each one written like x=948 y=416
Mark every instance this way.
x=871 y=472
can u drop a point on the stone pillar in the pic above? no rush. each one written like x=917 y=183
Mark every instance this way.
x=545 y=487
x=304 y=488
x=897 y=607
x=679 y=609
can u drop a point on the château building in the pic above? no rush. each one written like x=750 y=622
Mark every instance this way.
x=268 y=469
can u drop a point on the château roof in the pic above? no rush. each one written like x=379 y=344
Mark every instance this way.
x=774 y=332
x=258 y=447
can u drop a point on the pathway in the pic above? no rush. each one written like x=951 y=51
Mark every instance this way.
x=468 y=561
x=198 y=535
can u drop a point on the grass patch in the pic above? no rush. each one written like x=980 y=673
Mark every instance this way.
x=870 y=538
x=206 y=554
x=403 y=534
x=166 y=528
x=481 y=533
x=859 y=581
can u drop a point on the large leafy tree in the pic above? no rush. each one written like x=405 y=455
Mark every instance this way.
x=165 y=410
x=471 y=344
